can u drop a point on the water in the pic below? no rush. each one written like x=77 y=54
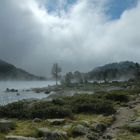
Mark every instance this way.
x=9 y=97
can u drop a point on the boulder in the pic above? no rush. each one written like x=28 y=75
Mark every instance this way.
x=56 y=121
x=134 y=126
x=98 y=127
x=36 y=120
x=19 y=138
x=66 y=127
x=79 y=130
x=6 y=125
x=52 y=135
x=92 y=136
x=85 y=123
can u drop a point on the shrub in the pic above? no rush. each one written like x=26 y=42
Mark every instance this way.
x=135 y=128
x=115 y=96
x=58 y=108
x=99 y=107
x=51 y=112
x=17 y=109
x=58 y=101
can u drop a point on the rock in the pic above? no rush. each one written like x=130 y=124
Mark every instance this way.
x=108 y=137
x=6 y=125
x=92 y=136
x=79 y=130
x=52 y=135
x=56 y=121
x=36 y=120
x=19 y=138
x=11 y=90
x=68 y=126
x=134 y=126
x=47 y=92
x=99 y=127
x=85 y=123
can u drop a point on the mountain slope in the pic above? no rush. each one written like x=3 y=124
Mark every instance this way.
x=10 y=72
x=114 y=71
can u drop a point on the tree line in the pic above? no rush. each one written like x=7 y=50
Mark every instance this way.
x=132 y=71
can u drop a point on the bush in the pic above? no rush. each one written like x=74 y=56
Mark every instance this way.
x=58 y=101
x=34 y=110
x=115 y=96
x=51 y=112
x=17 y=109
x=90 y=104
x=99 y=107
x=58 y=108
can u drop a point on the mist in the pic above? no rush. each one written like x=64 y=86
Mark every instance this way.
x=79 y=38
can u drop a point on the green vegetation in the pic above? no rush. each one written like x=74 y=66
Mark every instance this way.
x=115 y=71
x=117 y=96
x=58 y=108
x=95 y=112
x=127 y=135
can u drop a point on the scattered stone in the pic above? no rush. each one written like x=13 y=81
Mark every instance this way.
x=6 y=125
x=100 y=127
x=85 y=123
x=52 y=135
x=68 y=126
x=47 y=92
x=36 y=120
x=134 y=126
x=92 y=136
x=79 y=130
x=19 y=138
x=107 y=137
x=11 y=90
x=56 y=121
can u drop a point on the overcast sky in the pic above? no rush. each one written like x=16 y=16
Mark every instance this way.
x=77 y=34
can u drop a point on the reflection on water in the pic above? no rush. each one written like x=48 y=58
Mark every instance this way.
x=9 y=97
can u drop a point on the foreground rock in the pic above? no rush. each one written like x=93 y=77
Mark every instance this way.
x=56 y=121
x=52 y=135
x=6 y=125
x=36 y=120
x=79 y=130
x=19 y=138
x=134 y=126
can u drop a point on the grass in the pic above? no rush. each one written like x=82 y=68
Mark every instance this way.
x=2 y=136
x=126 y=135
x=24 y=128
x=28 y=128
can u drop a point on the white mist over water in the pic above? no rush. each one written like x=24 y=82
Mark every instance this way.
x=24 y=84
x=9 y=97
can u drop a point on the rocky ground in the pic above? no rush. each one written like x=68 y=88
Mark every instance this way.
x=83 y=127
x=122 y=125
x=124 y=116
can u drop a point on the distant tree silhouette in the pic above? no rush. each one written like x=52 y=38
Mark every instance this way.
x=68 y=78
x=56 y=69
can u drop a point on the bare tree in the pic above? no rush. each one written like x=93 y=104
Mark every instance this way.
x=56 y=71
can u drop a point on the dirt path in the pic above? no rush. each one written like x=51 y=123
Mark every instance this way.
x=123 y=115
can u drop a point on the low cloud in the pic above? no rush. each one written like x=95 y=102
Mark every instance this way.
x=79 y=38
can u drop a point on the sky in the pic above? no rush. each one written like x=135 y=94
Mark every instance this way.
x=76 y=34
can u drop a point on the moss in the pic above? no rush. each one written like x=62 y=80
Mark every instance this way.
x=2 y=136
